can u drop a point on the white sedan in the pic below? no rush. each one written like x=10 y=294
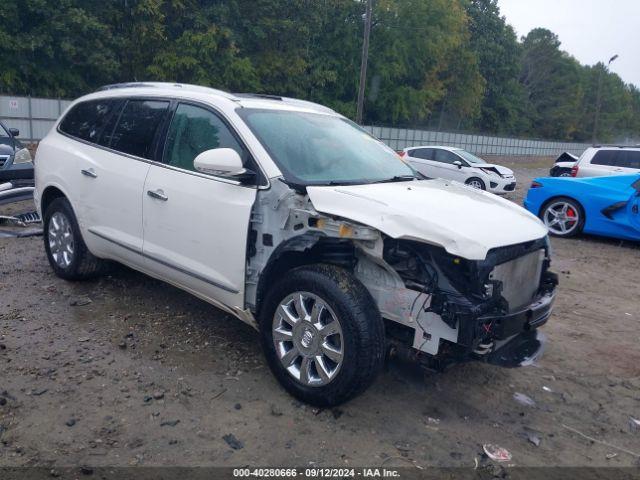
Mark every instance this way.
x=456 y=164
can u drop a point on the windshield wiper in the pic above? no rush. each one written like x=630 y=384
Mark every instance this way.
x=397 y=178
x=345 y=182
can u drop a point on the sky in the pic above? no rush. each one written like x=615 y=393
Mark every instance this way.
x=590 y=30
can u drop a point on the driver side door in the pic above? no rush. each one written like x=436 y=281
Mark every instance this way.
x=195 y=224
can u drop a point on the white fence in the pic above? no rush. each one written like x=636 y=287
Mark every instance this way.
x=35 y=116
x=399 y=138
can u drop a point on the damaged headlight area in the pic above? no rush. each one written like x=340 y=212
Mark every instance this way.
x=475 y=308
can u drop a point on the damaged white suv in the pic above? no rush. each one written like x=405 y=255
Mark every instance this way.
x=298 y=222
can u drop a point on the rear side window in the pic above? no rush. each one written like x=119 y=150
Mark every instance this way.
x=445 y=156
x=86 y=120
x=137 y=127
x=617 y=158
x=424 y=153
x=631 y=159
x=605 y=157
x=194 y=130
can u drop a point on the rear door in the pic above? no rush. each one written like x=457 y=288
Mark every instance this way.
x=422 y=160
x=196 y=225
x=111 y=176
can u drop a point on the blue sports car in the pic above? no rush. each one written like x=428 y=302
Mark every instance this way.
x=600 y=205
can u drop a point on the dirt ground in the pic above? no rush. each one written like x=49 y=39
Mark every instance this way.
x=126 y=370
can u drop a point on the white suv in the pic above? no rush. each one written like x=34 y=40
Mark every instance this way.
x=457 y=164
x=299 y=223
x=599 y=161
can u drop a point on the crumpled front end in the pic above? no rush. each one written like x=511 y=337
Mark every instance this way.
x=453 y=309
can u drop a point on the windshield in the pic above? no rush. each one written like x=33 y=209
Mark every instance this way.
x=469 y=157
x=319 y=149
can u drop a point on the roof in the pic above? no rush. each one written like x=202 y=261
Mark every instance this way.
x=443 y=147
x=254 y=100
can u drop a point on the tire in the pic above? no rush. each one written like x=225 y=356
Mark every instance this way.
x=573 y=210
x=361 y=337
x=476 y=182
x=70 y=259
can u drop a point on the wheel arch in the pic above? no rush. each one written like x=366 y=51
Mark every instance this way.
x=49 y=194
x=556 y=197
x=306 y=249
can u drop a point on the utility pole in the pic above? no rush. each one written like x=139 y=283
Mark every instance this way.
x=599 y=99
x=365 y=57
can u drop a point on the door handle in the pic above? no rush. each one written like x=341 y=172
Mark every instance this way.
x=634 y=209
x=89 y=172
x=157 y=194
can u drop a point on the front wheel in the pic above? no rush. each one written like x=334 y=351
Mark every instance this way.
x=322 y=334
x=476 y=182
x=564 y=217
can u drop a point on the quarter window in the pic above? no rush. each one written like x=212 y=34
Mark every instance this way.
x=137 y=127
x=194 y=130
x=86 y=120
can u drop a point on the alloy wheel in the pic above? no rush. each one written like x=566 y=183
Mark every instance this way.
x=561 y=217
x=308 y=339
x=60 y=237
x=476 y=184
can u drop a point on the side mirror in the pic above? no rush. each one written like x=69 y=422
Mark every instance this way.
x=14 y=132
x=458 y=163
x=219 y=161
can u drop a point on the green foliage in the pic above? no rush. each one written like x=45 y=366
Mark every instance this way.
x=451 y=64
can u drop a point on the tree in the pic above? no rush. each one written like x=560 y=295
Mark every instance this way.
x=552 y=82
x=495 y=43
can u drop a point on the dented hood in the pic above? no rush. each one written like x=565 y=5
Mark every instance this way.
x=464 y=221
x=502 y=170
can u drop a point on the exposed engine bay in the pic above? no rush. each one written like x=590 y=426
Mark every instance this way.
x=438 y=308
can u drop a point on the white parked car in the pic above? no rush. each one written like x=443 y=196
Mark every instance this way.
x=298 y=222
x=599 y=161
x=453 y=163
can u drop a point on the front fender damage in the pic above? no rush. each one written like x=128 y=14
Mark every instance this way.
x=439 y=307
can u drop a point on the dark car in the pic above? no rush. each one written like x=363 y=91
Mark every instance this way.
x=15 y=160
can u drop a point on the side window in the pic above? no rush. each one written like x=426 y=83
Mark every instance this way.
x=110 y=126
x=631 y=159
x=608 y=158
x=194 y=130
x=3 y=132
x=86 y=119
x=424 y=153
x=137 y=127
x=445 y=156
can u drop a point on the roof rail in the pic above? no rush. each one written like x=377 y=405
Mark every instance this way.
x=124 y=85
x=185 y=86
x=613 y=145
x=259 y=95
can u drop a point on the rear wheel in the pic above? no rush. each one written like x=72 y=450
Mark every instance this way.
x=322 y=334
x=476 y=182
x=564 y=217
x=63 y=243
